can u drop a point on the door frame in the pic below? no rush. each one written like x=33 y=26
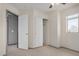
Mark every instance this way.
x=7 y=11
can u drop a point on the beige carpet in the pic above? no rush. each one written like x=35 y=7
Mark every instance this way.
x=42 y=51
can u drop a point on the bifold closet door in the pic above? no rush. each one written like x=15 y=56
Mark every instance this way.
x=23 y=32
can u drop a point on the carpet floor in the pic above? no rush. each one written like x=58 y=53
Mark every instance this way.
x=41 y=51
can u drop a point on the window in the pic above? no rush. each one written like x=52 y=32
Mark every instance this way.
x=72 y=23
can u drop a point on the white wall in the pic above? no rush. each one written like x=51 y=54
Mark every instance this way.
x=54 y=28
x=2 y=47
x=69 y=40
x=3 y=32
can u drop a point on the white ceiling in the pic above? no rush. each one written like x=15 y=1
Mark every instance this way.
x=41 y=6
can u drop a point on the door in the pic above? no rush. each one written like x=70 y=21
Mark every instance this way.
x=12 y=28
x=23 y=31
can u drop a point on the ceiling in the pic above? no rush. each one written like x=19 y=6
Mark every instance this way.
x=41 y=6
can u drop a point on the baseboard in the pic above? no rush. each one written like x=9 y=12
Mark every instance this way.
x=54 y=46
x=65 y=48
x=70 y=49
x=35 y=47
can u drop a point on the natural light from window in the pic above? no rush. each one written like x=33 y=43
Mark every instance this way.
x=72 y=23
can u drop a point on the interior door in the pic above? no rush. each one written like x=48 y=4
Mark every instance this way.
x=23 y=32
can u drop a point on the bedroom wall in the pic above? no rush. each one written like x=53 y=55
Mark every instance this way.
x=58 y=36
x=69 y=40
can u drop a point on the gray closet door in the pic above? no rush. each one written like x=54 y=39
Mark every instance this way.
x=12 y=28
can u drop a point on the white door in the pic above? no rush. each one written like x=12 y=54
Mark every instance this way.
x=23 y=32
